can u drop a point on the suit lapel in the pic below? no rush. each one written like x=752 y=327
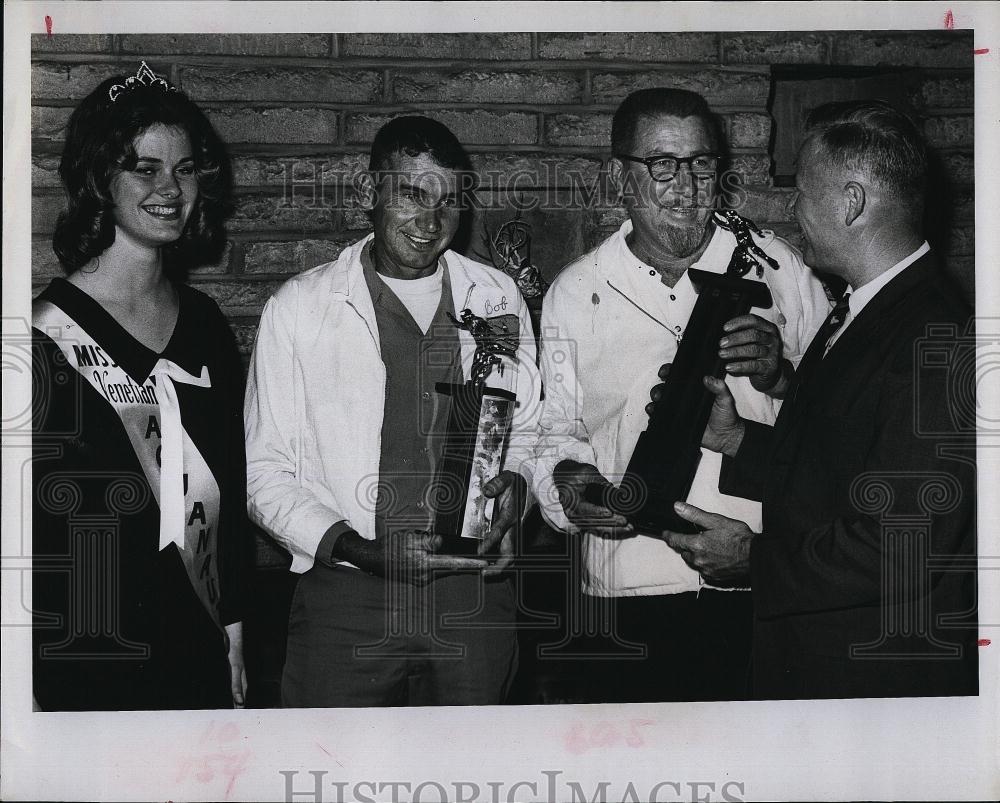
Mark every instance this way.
x=864 y=334
x=884 y=307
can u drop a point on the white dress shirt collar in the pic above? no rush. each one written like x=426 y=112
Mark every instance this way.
x=860 y=297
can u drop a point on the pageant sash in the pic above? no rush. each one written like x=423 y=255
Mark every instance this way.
x=182 y=483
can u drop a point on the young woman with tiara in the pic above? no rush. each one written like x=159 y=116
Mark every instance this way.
x=140 y=539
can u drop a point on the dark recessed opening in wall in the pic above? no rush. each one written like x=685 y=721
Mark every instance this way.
x=796 y=90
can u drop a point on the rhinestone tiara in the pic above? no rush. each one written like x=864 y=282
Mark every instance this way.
x=144 y=77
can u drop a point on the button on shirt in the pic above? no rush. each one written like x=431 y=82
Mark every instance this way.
x=655 y=341
x=608 y=326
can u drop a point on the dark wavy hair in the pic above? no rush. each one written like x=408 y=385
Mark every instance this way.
x=99 y=144
x=873 y=136
x=414 y=135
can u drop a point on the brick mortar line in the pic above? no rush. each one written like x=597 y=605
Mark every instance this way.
x=230 y=278
x=587 y=88
x=278 y=190
x=46 y=147
x=251 y=237
x=182 y=60
x=244 y=311
x=830 y=40
x=253 y=61
x=237 y=257
x=388 y=87
x=196 y=279
x=935 y=73
x=383 y=107
x=388 y=107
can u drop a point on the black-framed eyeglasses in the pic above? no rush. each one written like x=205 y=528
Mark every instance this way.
x=663 y=168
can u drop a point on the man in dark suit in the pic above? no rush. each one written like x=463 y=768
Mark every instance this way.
x=863 y=574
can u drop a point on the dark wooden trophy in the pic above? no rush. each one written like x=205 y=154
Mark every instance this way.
x=667 y=454
x=474 y=446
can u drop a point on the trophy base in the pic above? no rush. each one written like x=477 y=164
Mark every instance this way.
x=650 y=520
x=668 y=521
x=463 y=547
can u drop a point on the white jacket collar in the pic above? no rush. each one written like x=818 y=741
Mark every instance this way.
x=348 y=274
x=348 y=279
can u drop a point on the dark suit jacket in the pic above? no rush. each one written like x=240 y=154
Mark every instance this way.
x=863 y=576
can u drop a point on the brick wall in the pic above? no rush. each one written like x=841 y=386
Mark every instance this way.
x=533 y=109
x=305 y=107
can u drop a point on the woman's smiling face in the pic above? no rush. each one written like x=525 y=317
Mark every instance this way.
x=154 y=200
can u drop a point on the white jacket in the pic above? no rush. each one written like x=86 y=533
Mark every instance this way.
x=607 y=326
x=316 y=392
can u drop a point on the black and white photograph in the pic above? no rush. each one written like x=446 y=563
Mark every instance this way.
x=717 y=523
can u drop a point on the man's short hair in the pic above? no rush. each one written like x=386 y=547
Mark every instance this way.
x=873 y=137
x=657 y=102
x=414 y=135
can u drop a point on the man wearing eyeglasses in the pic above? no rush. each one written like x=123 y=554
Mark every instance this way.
x=611 y=319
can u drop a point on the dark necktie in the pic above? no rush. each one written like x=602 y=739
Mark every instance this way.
x=817 y=349
x=834 y=321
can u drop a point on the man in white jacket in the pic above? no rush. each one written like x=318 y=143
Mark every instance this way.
x=610 y=320
x=344 y=433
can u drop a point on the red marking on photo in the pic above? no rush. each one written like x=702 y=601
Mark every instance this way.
x=981 y=51
x=949 y=20
x=214 y=761
x=48 y=25
x=984 y=642
x=582 y=738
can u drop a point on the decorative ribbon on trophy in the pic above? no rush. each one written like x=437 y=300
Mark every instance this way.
x=479 y=424
x=667 y=454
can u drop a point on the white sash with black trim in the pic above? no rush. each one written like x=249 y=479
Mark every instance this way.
x=182 y=483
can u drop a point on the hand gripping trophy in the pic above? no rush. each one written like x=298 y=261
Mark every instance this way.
x=666 y=457
x=478 y=430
